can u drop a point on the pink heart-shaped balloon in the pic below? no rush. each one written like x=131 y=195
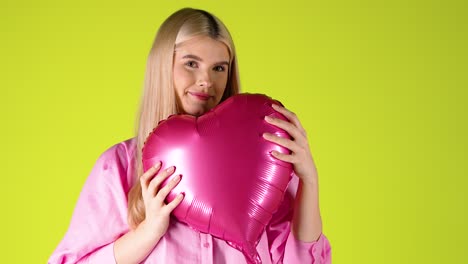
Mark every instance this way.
x=231 y=182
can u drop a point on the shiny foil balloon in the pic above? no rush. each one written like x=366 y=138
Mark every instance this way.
x=232 y=183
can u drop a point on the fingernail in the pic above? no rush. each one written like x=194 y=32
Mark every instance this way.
x=157 y=165
x=170 y=169
x=267 y=118
x=274 y=106
x=176 y=178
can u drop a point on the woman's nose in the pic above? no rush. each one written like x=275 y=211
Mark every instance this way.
x=204 y=80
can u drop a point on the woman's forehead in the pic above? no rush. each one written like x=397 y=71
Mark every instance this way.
x=203 y=46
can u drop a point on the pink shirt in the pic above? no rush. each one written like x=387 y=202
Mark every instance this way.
x=100 y=218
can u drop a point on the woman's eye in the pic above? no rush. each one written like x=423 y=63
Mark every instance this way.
x=191 y=64
x=219 y=68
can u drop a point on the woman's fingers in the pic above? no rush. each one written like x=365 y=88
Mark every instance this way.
x=174 y=203
x=158 y=179
x=284 y=157
x=292 y=130
x=163 y=192
x=148 y=175
x=290 y=116
x=284 y=142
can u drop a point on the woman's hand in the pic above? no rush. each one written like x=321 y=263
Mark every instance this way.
x=156 y=210
x=135 y=245
x=306 y=222
x=300 y=157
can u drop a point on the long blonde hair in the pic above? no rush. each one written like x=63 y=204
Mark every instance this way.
x=158 y=99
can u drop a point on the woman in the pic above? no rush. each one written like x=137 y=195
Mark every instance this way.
x=121 y=216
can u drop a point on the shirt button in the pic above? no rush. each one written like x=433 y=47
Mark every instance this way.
x=207 y=245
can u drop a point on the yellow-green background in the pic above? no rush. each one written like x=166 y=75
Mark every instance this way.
x=379 y=85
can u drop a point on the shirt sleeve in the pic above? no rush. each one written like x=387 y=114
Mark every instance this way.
x=99 y=217
x=284 y=247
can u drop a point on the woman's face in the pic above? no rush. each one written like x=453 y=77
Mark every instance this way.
x=200 y=74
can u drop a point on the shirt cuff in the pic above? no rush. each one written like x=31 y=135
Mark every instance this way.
x=319 y=250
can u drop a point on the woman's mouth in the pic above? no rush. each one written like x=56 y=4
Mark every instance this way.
x=200 y=96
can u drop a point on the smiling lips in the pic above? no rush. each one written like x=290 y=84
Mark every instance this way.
x=200 y=96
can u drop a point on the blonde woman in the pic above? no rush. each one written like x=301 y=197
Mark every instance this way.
x=121 y=216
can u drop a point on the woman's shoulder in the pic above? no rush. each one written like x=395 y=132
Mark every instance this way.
x=117 y=160
x=122 y=151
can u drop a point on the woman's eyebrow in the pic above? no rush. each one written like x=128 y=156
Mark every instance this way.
x=195 y=57
x=191 y=56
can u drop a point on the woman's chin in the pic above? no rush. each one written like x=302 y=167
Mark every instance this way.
x=195 y=112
